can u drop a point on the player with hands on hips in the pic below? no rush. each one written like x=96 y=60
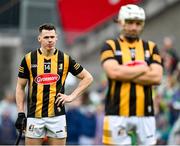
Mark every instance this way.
x=45 y=71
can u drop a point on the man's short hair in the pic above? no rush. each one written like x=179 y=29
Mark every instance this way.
x=46 y=26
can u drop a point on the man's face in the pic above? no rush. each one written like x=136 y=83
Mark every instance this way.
x=47 y=39
x=132 y=28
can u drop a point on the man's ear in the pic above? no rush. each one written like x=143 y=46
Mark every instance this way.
x=39 y=38
x=121 y=23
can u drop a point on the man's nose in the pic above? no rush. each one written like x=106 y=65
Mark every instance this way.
x=49 y=39
x=134 y=25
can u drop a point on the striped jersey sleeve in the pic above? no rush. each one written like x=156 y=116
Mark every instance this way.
x=74 y=67
x=23 y=69
x=156 y=58
x=155 y=55
x=107 y=51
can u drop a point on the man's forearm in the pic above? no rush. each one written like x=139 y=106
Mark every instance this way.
x=126 y=73
x=86 y=80
x=144 y=80
x=20 y=94
x=152 y=77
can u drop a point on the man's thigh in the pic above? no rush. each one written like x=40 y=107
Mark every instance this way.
x=146 y=130
x=114 y=130
x=56 y=141
x=35 y=128
x=56 y=127
x=33 y=141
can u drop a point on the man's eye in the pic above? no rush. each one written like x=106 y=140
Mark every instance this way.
x=139 y=22
x=129 y=21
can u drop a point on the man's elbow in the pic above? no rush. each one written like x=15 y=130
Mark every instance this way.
x=158 y=80
x=90 y=79
x=113 y=75
x=158 y=76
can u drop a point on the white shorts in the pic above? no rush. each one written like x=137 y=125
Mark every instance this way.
x=115 y=130
x=54 y=127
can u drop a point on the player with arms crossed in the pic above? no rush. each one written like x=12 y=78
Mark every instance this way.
x=132 y=66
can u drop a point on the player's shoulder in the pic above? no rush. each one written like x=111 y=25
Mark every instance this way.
x=28 y=54
x=63 y=53
x=150 y=42
x=31 y=52
x=110 y=43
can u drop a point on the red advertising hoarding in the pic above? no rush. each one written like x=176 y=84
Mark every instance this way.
x=80 y=16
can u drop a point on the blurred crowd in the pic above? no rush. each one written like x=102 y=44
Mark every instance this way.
x=167 y=97
x=84 y=120
x=8 y=115
x=85 y=115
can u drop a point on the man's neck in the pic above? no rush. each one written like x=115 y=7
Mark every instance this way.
x=46 y=52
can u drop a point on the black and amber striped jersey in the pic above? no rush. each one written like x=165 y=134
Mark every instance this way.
x=127 y=98
x=46 y=77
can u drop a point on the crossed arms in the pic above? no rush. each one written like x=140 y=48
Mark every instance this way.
x=140 y=74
